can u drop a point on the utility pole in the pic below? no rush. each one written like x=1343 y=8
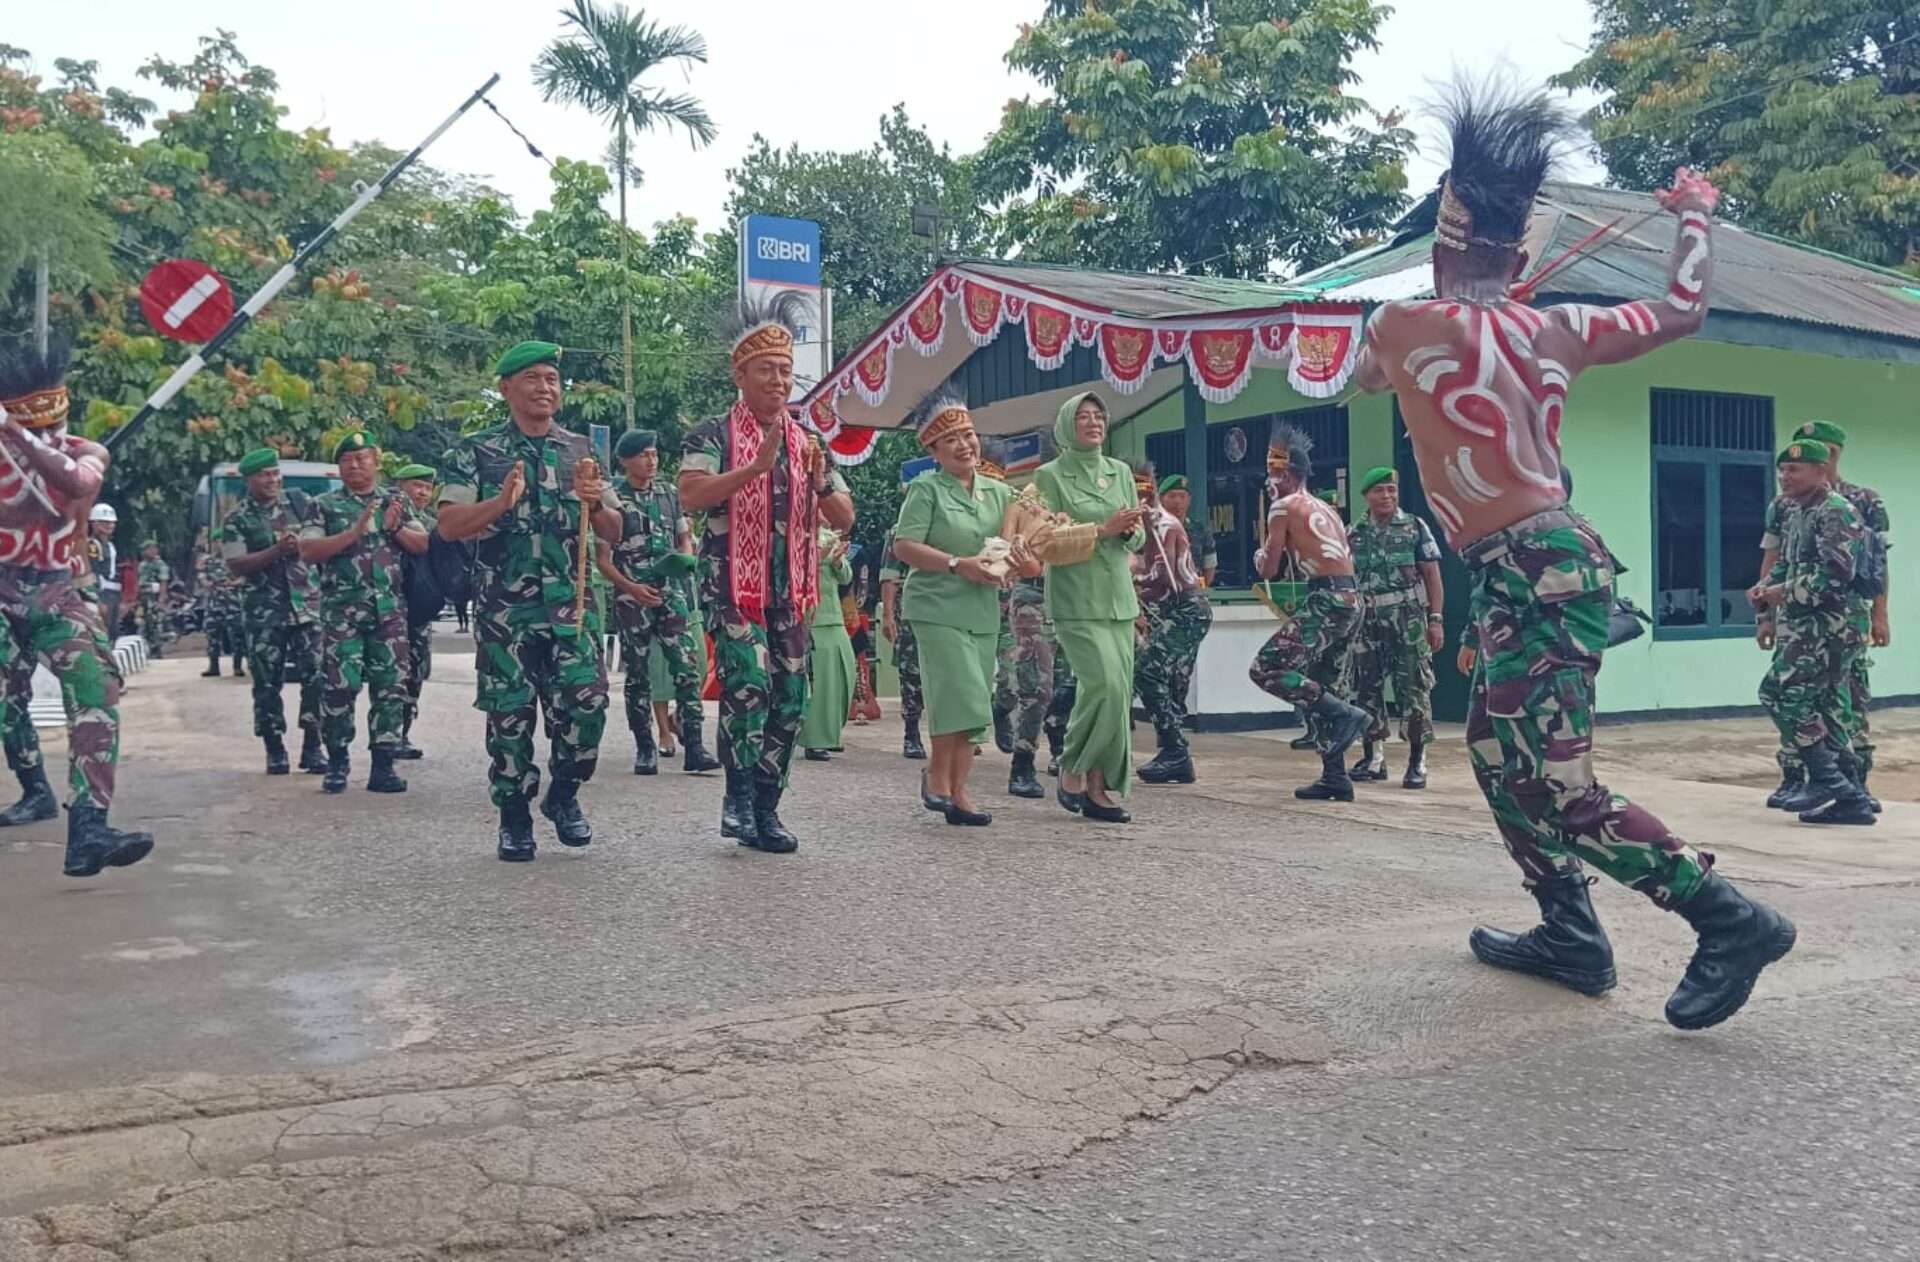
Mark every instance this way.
x=42 y=279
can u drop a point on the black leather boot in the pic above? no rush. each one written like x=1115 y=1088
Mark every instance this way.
x=1021 y=782
x=562 y=806
x=383 y=778
x=1309 y=737
x=1334 y=785
x=736 y=810
x=698 y=759
x=1056 y=740
x=910 y=746
x=1338 y=724
x=276 y=755
x=1416 y=777
x=1371 y=765
x=1173 y=765
x=646 y=754
x=1567 y=946
x=239 y=667
x=1792 y=776
x=92 y=844
x=213 y=665
x=36 y=800
x=313 y=756
x=1848 y=803
x=339 y=764
x=408 y=751
x=1003 y=730
x=516 y=833
x=1738 y=938
x=775 y=837
x=1854 y=768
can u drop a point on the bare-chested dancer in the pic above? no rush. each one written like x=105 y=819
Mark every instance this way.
x=1482 y=382
x=1304 y=661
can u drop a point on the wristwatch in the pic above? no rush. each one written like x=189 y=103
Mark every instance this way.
x=953 y=565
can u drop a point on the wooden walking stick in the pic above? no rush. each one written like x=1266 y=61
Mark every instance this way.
x=589 y=467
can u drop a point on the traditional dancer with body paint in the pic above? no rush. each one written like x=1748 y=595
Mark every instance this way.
x=1482 y=383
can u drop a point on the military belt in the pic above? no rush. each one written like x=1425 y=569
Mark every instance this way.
x=1387 y=600
x=1490 y=548
x=1332 y=583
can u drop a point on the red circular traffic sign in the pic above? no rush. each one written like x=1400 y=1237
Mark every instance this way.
x=186 y=300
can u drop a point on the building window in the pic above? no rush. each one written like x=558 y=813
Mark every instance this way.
x=1712 y=482
x=1237 y=475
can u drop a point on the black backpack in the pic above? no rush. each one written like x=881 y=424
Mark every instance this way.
x=1870 y=575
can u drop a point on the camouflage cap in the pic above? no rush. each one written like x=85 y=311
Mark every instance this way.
x=1823 y=432
x=1805 y=451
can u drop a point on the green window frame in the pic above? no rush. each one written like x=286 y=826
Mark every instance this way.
x=1713 y=479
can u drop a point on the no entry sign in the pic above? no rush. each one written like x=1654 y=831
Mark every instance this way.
x=186 y=300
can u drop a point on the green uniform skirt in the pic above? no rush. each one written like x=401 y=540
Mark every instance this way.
x=1100 y=729
x=956 y=672
x=831 y=692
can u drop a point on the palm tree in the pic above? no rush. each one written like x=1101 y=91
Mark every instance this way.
x=598 y=64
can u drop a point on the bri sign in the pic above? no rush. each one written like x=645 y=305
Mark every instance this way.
x=782 y=252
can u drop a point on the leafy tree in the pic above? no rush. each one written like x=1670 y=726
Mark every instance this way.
x=1210 y=136
x=1806 y=112
x=598 y=65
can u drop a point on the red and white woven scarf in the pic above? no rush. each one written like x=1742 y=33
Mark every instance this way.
x=750 y=520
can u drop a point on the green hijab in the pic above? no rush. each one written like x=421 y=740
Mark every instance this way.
x=1078 y=463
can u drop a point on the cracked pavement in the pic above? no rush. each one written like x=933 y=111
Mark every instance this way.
x=336 y=1030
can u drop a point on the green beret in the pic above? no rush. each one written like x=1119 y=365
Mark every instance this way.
x=1375 y=476
x=149 y=543
x=356 y=441
x=635 y=441
x=1173 y=482
x=257 y=460
x=1805 y=451
x=410 y=471
x=1823 y=432
x=1331 y=495
x=675 y=564
x=526 y=355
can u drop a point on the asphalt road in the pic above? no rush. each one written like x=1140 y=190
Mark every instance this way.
x=337 y=1028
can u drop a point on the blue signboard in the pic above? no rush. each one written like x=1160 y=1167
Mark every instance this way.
x=778 y=251
x=1024 y=452
x=601 y=436
x=911 y=469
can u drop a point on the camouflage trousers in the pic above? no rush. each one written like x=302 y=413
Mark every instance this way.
x=48 y=618
x=278 y=656
x=1064 y=692
x=1004 y=699
x=762 y=672
x=419 y=667
x=1030 y=666
x=1808 y=690
x=21 y=741
x=364 y=647
x=1391 y=647
x=668 y=625
x=153 y=623
x=1163 y=671
x=906 y=660
x=1860 y=701
x=1540 y=610
x=1307 y=656
x=528 y=668
x=225 y=632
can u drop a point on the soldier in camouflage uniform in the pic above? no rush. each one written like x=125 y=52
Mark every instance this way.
x=416 y=483
x=355 y=536
x=1808 y=691
x=219 y=598
x=1397 y=565
x=648 y=569
x=281 y=607
x=156 y=581
x=1006 y=697
x=765 y=487
x=48 y=481
x=906 y=651
x=1177 y=618
x=518 y=490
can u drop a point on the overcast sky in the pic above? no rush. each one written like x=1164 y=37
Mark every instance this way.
x=819 y=75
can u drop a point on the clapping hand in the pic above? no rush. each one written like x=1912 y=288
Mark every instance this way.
x=513 y=486
x=361 y=527
x=390 y=521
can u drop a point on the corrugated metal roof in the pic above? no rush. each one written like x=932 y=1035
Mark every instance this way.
x=1754 y=274
x=1144 y=295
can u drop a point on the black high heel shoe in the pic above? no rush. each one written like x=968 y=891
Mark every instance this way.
x=931 y=800
x=1074 y=802
x=1103 y=814
x=972 y=819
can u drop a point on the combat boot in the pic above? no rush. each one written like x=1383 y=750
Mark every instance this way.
x=1334 y=785
x=1338 y=724
x=1738 y=938
x=1854 y=768
x=1372 y=763
x=383 y=778
x=36 y=800
x=1056 y=739
x=408 y=751
x=339 y=764
x=736 y=810
x=1174 y=763
x=1021 y=782
x=1792 y=777
x=775 y=837
x=698 y=759
x=1416 y=777
x=239 y=667
x=646 y=754
x=213 y=666
x=92 y=844
x=1567 y=946
x=516 y=833
x=1849 y=803
x=562 y=806
x=313 y=757
x=1003 y=730
x=1308 y=738
x=910 y=746
x=276 y=755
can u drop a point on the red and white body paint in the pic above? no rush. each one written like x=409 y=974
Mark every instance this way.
x=48 y=482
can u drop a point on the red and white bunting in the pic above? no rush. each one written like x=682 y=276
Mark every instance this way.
x=848 y=444
x=1316 y=343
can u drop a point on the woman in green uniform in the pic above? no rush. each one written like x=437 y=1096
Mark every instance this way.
x=952 y=600
x=831 y=692
x=1093 y=607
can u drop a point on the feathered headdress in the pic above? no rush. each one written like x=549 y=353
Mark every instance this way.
x=33 y=387
x=1501 y=146
x=1289 y=450
x=941 y=413
x=757 y=328
x=1144 y=480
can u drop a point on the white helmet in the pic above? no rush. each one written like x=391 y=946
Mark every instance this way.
x=103 y=512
